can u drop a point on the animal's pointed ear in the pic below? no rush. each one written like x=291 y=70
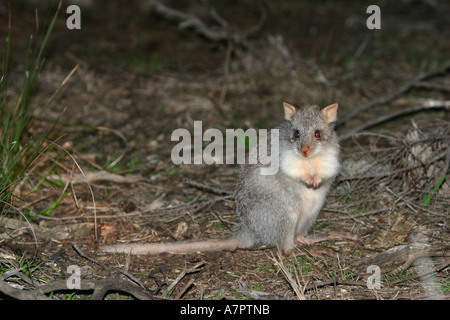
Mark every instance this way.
x=330 y=112
x=289 y=110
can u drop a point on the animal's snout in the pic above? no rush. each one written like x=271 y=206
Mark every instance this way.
x=306 y=150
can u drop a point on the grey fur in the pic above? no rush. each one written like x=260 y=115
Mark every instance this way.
x=275 y=210
x=271 y=209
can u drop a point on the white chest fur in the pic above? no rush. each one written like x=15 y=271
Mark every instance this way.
x=324 y=165
x=311 y=200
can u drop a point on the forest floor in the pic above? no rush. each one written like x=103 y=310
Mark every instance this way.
x=140 y=77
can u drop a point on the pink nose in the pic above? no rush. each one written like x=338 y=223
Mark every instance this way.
x=306 y=150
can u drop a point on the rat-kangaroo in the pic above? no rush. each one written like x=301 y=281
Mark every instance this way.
x=277 y=210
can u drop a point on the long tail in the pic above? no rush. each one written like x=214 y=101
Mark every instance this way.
x=229 y=244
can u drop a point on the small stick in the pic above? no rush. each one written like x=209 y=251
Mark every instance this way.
x=391 y=173
x=185 y=288
x=437 y=268
x=391 y=96
x=411 y=259
x=368 y=213
x=428 y=105
x=134 y=279
x=100 y=288
x=334 y=282
x=208 y=188
x=194 y=269
x=8 y=290
x=85 y=256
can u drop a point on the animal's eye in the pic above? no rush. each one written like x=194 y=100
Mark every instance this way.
x=296 y=134
x=317 y=134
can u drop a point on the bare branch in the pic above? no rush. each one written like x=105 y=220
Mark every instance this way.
x=216 y=34
x=427 y=104
x=394 y=95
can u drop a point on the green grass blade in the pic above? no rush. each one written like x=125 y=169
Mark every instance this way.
x=428 y=197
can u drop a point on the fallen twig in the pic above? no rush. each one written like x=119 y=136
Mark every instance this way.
x=185 y=272
x=426 y=105
x=217 y=34
x=422 y=274
x=295 y=283
x=395 y=172
x=205 y=187
x=422 y=254
x=254 y=294
x=185 y=288
x=368 y=213
x=85 y=256
x=39 y=232
x=395 y=94
x=20 y=294
x=328 y=282
x=100 y=287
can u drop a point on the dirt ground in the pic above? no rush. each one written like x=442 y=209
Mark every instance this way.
x=140 y=76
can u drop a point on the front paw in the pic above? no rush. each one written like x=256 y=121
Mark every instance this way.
x=316 y=182
x=309 y=182
x=313 y=183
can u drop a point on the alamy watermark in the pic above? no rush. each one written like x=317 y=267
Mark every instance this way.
x=374 y=20
x=221 y=148
x=74 y=20
x=374 y=280
x=74 y=280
